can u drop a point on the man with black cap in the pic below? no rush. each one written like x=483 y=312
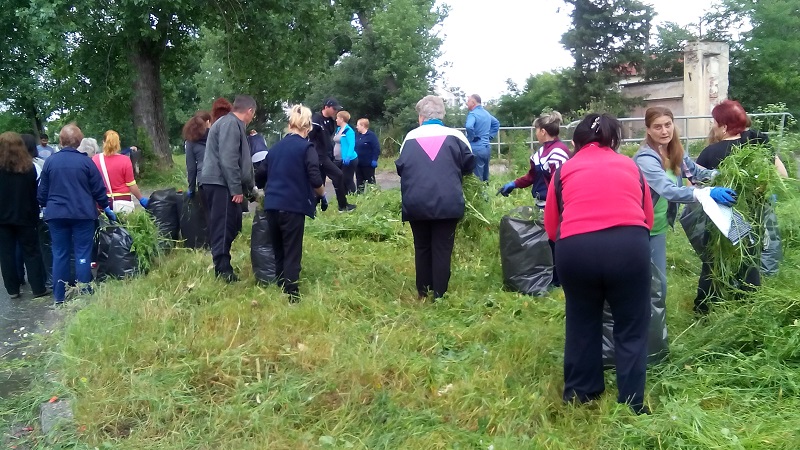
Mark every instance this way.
x=323 y=127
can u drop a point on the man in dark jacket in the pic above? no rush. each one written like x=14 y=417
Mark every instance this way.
x=323 y=128
x=225 y=180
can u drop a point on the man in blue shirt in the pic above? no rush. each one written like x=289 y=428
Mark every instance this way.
x=482 y=127
x=44 y=150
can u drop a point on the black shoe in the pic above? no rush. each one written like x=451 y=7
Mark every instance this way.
x=228 y=277
x=701 y=308
x=347 y=208
x=43 y=294
x=13 y=296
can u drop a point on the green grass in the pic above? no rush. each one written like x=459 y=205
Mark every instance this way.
x=180 y=360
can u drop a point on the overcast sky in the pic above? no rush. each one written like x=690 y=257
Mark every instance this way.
x=487 y=42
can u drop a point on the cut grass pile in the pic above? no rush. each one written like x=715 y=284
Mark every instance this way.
x=179 y=360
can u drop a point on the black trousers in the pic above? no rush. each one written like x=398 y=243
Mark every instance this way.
x=224 y=224
x=433 y=250
x=364 y=175
x=348 y=176
x=46 y=246
x=286 y=229
x=330 y=170
x=747 y=277
x=28 y=238
x=610 y=265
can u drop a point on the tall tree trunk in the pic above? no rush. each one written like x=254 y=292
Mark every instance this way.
x=148 y=102
x=33 y=114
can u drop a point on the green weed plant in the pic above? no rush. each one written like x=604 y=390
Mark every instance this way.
x=179 y=360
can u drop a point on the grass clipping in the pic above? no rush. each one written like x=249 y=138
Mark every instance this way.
x=142 y=228
x=750 y=171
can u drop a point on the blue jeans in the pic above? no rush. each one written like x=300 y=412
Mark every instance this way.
x=77 y=234
x=482 y=163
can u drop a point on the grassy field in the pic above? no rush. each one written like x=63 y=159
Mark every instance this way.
x=179 y=360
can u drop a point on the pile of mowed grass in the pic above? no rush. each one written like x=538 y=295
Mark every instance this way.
x=181 y=360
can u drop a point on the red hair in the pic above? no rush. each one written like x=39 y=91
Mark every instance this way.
x=731 y=114
x=220 y=107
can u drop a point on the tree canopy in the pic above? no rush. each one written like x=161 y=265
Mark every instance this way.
x=142 y=67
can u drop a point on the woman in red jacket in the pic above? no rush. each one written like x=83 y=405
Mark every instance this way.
x=599 y=212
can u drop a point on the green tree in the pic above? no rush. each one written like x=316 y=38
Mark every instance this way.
x=25 y=55
x=765 y=65
x=665 y=59
x=390 y=64
x=608 y=40
x=519 y=107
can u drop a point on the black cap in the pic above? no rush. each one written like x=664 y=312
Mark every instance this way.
x=330 y=101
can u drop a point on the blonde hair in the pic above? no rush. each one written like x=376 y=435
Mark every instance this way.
x=364 y=122
x=299 y=119
x=111 y=143
x=344 y=115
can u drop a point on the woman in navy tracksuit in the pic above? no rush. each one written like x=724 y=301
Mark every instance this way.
x=432 y=163
x=292 y=183
x=70 y=189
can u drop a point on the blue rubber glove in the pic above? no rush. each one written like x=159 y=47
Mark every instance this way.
x=346 y=161
x=374 y=164
x=110 y=214
x=144 y=201
x=323 y=202
x=507 y=188
x=189 y=193
x=724 y=196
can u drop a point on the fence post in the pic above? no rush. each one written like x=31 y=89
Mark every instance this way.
x=783 y=123
x=532 y=136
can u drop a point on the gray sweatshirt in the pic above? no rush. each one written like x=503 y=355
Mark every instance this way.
x=227 y=157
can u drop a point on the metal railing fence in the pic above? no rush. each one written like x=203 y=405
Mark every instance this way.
x=567 y=130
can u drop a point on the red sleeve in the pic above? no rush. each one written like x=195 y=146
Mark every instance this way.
x=648 y=205
x=127 y=172
x=527 y=179
x=551 y=218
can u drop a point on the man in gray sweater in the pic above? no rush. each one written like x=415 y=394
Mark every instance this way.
x=226 y=180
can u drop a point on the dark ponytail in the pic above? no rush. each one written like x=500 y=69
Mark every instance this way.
x=604 y=129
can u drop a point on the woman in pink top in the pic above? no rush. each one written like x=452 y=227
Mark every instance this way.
x=599 y=212
x=117 y=173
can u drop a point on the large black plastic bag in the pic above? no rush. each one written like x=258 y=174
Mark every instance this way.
x=525 y=253
x=657 y=343
x=194 y=226
x=115 y=257
x=772 y=251
x=164 y=208
x=694 y=222
x=262 y=254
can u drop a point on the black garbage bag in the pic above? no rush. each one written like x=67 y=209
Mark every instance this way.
x=694 y=222
x=194 y=226
x=657 y=343
x=772 y=251
x=164 y=208
x=115 y=256
x=262 y=254
x=525 y=253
